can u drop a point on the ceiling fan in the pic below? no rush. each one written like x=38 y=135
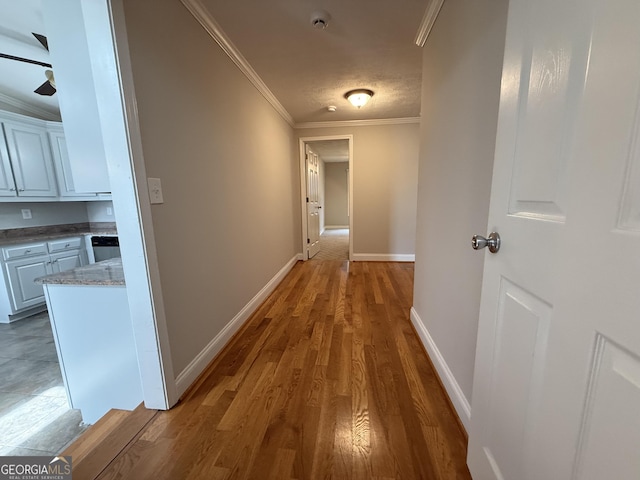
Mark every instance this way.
x=48 y=88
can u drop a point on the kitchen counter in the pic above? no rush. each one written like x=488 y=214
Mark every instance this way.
x=91 y=324
x=107 y=272
x=50 y=232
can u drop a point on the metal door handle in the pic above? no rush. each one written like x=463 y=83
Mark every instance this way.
x=478 y=242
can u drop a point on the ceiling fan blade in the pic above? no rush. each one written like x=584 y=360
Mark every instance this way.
x=45 y=89
x=42 y=39
x=25 y=60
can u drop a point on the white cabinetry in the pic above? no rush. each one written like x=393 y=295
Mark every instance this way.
x=30 y=161
x=64 y=173
x=22 y=273
x=35 y=163
x=23 y=263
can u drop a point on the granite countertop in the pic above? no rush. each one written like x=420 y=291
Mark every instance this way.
x=51 y=232
x=107 y=272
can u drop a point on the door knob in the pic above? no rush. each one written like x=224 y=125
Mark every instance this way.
x=478 y=242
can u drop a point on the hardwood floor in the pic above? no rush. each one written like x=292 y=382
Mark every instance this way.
x=326 y=380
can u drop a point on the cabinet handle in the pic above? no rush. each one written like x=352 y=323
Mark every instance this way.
x=49 y=262
x=21 y=189
x=12 y=189
x=28 y=250
x=67 y=245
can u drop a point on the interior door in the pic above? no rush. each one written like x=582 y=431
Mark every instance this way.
x=313 y=202
x=556 y=390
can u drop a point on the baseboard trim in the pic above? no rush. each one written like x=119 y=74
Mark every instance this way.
x=459 y=401
x=335 y=227
x=190 y=374
x=383 y=257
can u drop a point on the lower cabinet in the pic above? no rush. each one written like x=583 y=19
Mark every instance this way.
x=24 y=292
x=24 y=263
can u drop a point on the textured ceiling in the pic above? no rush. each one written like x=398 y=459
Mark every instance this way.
x=367 y=44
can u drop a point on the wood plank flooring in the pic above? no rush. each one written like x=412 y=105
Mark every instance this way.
x=326 y=380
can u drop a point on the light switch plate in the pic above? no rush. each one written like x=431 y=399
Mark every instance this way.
x=26 y=213
x=155 y=190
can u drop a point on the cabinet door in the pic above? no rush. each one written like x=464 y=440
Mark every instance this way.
x=7 y=185
x=61 y=262
x=62 y=166
x=31 y=160
x=22 y=273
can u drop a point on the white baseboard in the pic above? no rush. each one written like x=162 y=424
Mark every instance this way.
x=335 y=227
x=383 y=257
x=460 y=402
x=189 y=375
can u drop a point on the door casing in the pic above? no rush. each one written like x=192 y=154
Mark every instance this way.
x=303 y=188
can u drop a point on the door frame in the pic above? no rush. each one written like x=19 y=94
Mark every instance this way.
x=126 y=168
x=303 y=188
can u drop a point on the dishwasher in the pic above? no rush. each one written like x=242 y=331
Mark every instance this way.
x=105 y=247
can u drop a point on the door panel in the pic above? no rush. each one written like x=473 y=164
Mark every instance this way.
x=22 y=273
x=64 y=261
x=31 y=159
x=521 y=329
x=614 y=391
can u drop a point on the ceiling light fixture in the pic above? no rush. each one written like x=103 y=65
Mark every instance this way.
x=359 y=97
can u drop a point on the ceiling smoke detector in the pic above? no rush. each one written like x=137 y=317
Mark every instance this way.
x=320 y=19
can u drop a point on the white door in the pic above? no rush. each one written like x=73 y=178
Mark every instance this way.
x=556 y=390
x=313 y=202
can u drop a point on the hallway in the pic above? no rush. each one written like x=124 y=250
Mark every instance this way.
x=326 y=380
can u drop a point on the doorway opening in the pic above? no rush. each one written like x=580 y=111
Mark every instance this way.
x=326 y=179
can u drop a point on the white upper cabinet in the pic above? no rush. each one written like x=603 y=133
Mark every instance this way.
x=62 y=165
x=31 y=161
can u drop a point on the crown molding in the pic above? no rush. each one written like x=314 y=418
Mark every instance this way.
x=27 y=108
x=359 y=123
x=429 y=18
x=203 y=16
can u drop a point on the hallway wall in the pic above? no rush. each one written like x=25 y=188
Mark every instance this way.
x=336 y=194
x=385 y=171
x=462 y=67
x=229 y=169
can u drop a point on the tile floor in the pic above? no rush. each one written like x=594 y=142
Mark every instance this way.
x=35 y=418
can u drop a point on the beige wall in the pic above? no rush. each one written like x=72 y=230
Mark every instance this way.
x=462 y=65
x=336 y=192
x=229 y=169
x=385 y=168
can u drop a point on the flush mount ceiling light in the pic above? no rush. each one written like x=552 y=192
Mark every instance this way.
x=359 y=97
